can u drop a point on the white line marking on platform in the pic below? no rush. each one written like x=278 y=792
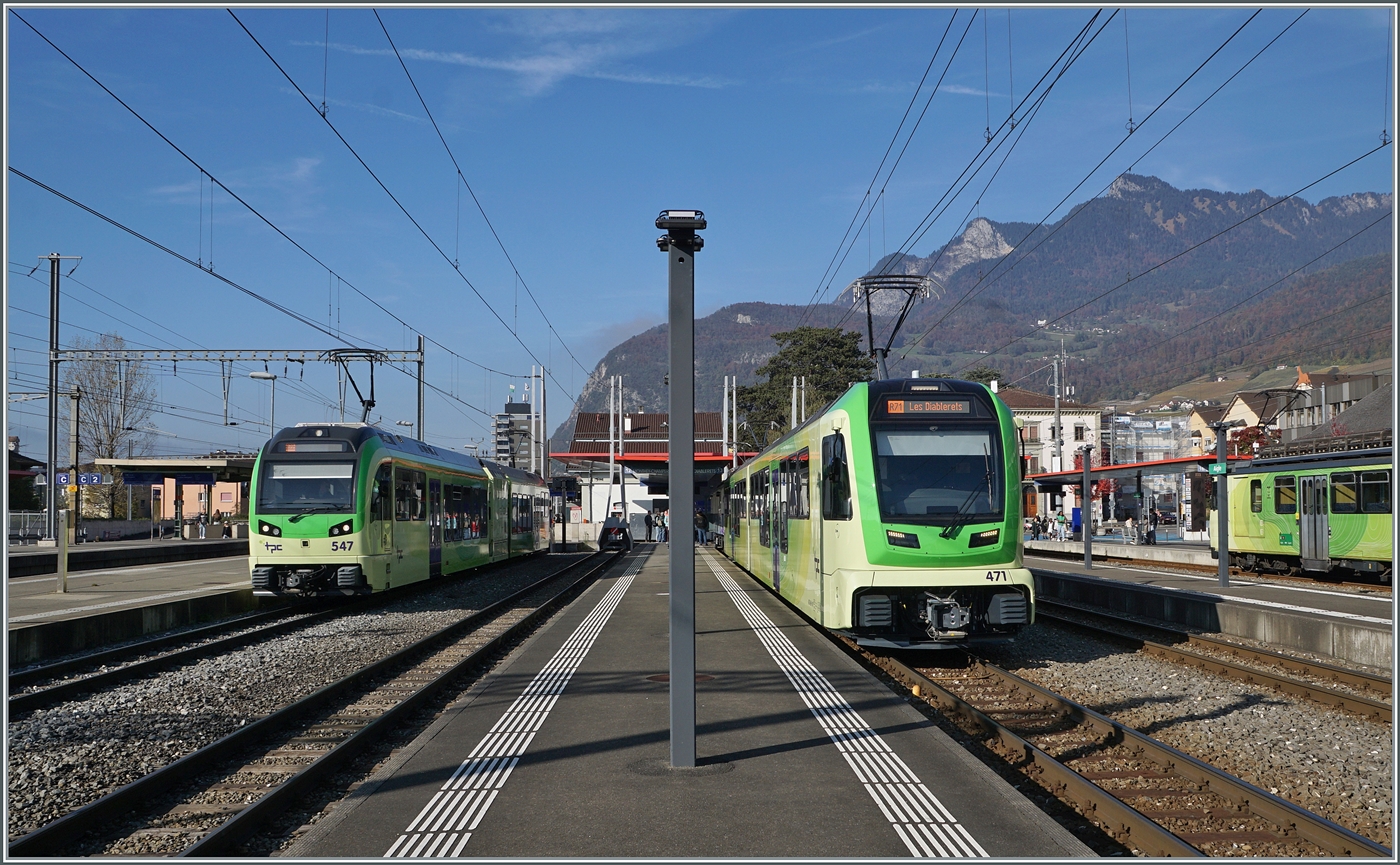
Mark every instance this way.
x=127 y=602
x=446 y=823
x=1243 y=600
x=925 y=826
x=1234 y=582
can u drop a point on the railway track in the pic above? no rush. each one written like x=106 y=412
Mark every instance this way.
x=1146 y=794
x=205 y=803
x=1360 y=693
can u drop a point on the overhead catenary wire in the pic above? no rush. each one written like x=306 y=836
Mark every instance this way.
x=901 y=250
x=994 y=274
x=251 y=209
x=463 y=178
x=1186 y=251
x=411 y=218
x=309 y=322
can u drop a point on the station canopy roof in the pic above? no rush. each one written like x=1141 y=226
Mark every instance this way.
x=1126 y=471
x=214 y=468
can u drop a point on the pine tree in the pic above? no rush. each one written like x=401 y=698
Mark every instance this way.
x=830 y=358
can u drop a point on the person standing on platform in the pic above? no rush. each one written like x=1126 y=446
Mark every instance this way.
x=1154 y=518
x=203 y=521
x=700 y=528
x=1129 y=530
x=651 y=525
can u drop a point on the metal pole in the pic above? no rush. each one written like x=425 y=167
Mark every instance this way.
x=51 y=520
x=622 y=451
x=1222 y=502
x=62 y=587
x=272 y=410
x=734 y=421
x=76 y=395
x=724 y=422
x=804 y=399
x=1086 y=519
x=1059 y=437
x=422 y=436
x=793 y=411
x=680 y=245
x=612 y=441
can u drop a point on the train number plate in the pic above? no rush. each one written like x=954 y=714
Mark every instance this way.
x=341 y=546
x=997 y=577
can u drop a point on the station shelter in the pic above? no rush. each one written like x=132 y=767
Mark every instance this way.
x=640 y=482
x=220 y=481
x=1118 y=492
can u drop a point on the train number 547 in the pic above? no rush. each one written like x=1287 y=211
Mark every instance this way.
x=997 y=576
x=344 y=546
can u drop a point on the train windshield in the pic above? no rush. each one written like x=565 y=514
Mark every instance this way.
x=930 y=476
x=311 y=487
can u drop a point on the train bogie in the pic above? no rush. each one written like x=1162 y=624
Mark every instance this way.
x=892 y=517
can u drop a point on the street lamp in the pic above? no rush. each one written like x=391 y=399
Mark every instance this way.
x=407 y=423
x=272 y=406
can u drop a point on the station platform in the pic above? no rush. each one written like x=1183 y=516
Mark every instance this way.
x=110 y=605
x=563 y=750
x=1112 y=547
x=28 y=560
x=1354 y=625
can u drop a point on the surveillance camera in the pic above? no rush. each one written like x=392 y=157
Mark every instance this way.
x=689 y=220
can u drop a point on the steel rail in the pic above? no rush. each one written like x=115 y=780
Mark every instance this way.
x=1120 y=817
x=49 y=839
x=1331 y=837
x=220 y=840
x=20 y=703
x=1364 y=706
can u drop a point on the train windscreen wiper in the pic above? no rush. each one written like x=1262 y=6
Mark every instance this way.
x=963 y=514
x=316 y=509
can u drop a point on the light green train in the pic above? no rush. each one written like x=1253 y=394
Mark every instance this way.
x=1317 y=513
x=351 y=509
x=893 y=516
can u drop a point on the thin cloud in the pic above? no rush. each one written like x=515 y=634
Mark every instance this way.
x=542 y=70
x=827 y=43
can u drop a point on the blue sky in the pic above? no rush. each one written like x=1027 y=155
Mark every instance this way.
x=574 y=127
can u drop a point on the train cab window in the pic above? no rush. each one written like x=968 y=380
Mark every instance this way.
x=835 y=479
x=1375 y=492
x=1286 y=495
x=1256 y=496
x=381 y=502
x=1344 y=493
x=934 y=475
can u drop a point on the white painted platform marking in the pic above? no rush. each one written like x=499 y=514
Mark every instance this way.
x=925 y=826
x=129 y=601
x=445 y=825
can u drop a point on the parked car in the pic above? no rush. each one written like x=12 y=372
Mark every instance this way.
x=615 y=535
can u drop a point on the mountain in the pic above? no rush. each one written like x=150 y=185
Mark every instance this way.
x=1112 y=279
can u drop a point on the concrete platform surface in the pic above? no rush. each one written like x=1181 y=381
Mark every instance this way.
x=1355 y=625
x=33 y=600
x=29 y=560
x=564 y=750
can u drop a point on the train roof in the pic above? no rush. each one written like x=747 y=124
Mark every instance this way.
x=356 y=434
x=1318 y=461
x=504 y=471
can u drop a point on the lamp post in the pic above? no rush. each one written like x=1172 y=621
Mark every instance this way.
x=407 y=423
x=272 y=405
x=680 y=243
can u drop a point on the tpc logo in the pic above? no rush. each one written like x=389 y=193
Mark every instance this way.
x=273 y=548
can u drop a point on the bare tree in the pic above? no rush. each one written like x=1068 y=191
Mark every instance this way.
x=114 y=413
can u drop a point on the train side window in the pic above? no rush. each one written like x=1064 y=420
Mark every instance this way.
x=801 y=506
x=403 y=494
x=1375 y=492
x=1286 y=495
x=1344 y=493
x=836 y=486
x=1256 y=496
x=420 y=495
x=381 y=503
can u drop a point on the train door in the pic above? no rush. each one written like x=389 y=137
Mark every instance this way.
x=434 y=528
x=835 y=510
x=1313 y=531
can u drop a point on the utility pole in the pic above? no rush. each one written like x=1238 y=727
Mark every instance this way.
x=734 y=420
x=74 y=487
x=422 y=436
x=51 y=517
x=793 y=414
x=612 y=441
x=680 y=243
x=1086 y=518
x=1222 y=499
x=622 y=451
x=724 y=419
x=1059 y=432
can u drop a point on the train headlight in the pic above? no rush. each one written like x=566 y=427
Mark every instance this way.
x=984 y=539
x=342 y=529
x=902 y=539
x=269 y=529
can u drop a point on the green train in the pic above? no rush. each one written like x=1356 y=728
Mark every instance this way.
x=1315 y=513
x=347 y=508
x=892 y=517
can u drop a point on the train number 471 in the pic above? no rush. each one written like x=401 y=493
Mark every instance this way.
x=997 y=576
